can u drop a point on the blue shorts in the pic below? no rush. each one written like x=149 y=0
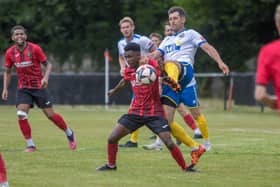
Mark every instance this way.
x=186 y=74
x=188 y=96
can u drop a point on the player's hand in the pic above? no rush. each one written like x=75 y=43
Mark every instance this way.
x=5 y=94
x=111 y=92
x=44 y=83
x=224 y=68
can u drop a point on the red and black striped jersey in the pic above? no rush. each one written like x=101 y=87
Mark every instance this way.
x=27 y=64
x=146 y=101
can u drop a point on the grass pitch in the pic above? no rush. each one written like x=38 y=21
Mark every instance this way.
x=246 y=151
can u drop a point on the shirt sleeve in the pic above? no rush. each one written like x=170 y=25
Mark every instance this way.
x=120 y=49
x=128 y=73
x=262 y=76
x=8 y=59
x=40 y=55
x=197 y=38
x=146 y=43
x=161 y=47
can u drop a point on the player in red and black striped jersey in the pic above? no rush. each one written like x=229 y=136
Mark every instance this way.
x=145 y=109
x=27 y=59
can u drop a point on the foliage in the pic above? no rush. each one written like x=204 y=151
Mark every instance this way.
x=73 y=29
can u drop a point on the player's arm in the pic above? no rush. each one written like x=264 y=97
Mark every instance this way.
x=122 y=63
x=6 y=82
x=213 y=53
x=262 y=96
x=122 y=84
x=45 y=79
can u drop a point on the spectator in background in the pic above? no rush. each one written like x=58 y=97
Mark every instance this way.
x=269 y=70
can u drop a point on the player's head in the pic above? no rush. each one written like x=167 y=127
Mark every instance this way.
x=177 y=18
x=168 y=31
x=126 y=27
x=18 y=35
x=277 y=18
x=156 y=38
x=132 y=54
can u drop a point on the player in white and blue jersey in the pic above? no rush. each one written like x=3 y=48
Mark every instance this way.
x=127 y=29
x=146 y=45
x=179 y=51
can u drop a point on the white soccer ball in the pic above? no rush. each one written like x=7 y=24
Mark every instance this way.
x=146 y=74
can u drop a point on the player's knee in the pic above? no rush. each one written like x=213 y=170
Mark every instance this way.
x=22 y=115
x=112 y=139
x=170 y=144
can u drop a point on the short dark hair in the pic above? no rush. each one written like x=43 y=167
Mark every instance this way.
x=178 y=9
x=132 y=47
x=154 y=34
x=17 y=27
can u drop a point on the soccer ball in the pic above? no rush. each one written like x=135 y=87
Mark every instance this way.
x=146 y=74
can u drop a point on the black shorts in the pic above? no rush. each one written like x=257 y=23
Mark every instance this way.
x=154 y=123
x=29 y=96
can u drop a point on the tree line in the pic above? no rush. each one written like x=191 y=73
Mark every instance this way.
x=71 y=30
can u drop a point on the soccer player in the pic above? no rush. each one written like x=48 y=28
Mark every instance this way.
x=158 y=145
x=145 y=109
x=127 y=29
x=3 y=174
x=269 y=70
x=27 y=58
x=182 y=47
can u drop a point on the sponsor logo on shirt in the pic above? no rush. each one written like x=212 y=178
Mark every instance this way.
x=23 y=64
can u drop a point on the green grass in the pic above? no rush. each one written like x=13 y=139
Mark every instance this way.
x=246 y=151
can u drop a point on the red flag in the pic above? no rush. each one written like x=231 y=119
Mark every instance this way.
x=107 y=55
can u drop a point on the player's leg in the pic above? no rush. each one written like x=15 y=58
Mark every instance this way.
x=160 y=126
x=189 y=97
x=126 y=124
x=112 y=147
x=42 y=99
x=59 y=121
x=174 y=149
x=176 y=130
x=180 y=134
x=24 y=102
x=3 y=173
x=172 y=70
x=189 y=120
x=203 y=126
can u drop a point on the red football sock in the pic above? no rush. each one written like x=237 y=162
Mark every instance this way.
x=190 y=121
x=59 y=121
x=178 y=156
x=112 y=150
x=3 y=175
x=25 y=128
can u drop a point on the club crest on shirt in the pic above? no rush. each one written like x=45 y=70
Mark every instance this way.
x=28 y=54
